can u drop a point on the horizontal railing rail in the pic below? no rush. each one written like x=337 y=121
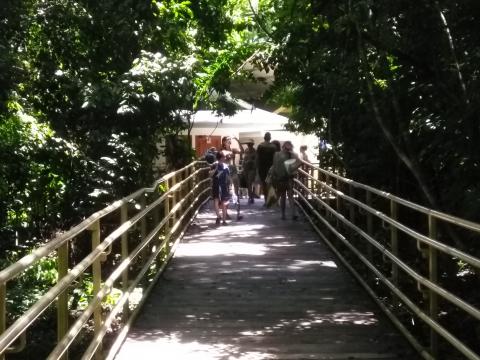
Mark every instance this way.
x=398 y=250
x=148 y=226
x=384 y=239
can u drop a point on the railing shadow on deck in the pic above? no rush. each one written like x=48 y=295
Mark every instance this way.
x=254 y=289
x=399 y=251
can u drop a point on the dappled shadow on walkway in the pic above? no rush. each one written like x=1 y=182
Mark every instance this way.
x=259 y=288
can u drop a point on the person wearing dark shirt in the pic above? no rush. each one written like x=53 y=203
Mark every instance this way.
x=221 y=188
x=249 y=169
x=265 y=152
x=284 y=168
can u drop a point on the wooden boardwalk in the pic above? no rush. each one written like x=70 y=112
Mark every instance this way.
x=260 y=288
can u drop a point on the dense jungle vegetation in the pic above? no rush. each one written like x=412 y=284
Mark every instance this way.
x=88 y=88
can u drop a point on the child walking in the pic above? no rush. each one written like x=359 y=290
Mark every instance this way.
x=220 y=188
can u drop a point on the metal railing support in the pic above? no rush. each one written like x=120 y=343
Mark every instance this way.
x=173 y=201
x=338 y=201
x=351 y=209
x=143 y=225
x=182 y=193
x=97 y=281
x=3 y=312
x=369 y=224
x=433 y=277
x=143 y=222
x=166 y=206
x=124 y=254
x=326 y=192
x=394 y=240
x=62 y=300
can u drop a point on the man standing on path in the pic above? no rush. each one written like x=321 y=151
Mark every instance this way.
x=265 y=152
x=249 y=169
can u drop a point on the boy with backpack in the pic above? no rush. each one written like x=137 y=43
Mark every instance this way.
x=221 y=188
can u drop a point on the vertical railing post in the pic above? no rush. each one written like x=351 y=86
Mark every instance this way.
x=338 y=201
x=190 y=171
x=369 y=224
x=310 y=182
x=195 y=179
x=62 y=300
x=394 y=244
x=166 y=206
x=125 y=253
x=351 y=209
x=177 y=195
x=433 y=274
x=143 y=222
x=186 y=187
x=181 y=191
x=143 y=227
x=97 y=281
x=173 y=200
x=394 y=239
x=327 y=193
x=3 y=312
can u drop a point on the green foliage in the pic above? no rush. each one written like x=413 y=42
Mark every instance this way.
x=82 y=109
x=33 y=178
x=83 y=295
x=362 y=73
x=178 y=151
x=122 y=75
x=162 y=188
x=237 y=41
x=26 y=289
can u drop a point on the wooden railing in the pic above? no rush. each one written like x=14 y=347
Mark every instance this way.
x=394 y=247
x=132 y=241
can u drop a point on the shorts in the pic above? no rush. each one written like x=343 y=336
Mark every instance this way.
x=283 y=185
x=221 y=192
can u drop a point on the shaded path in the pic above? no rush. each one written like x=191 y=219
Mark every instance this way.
x=261 y=288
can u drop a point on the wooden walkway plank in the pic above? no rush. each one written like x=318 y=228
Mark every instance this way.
x=260 y=288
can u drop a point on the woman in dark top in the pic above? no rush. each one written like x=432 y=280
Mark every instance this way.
x=265 y=152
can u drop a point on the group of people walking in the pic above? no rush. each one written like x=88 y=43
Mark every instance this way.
x=270 y=165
